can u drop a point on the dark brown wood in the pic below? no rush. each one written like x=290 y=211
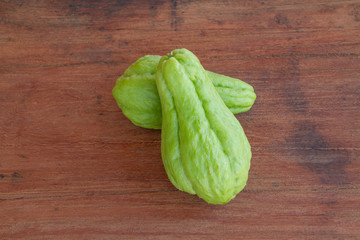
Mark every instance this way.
x=73 y=167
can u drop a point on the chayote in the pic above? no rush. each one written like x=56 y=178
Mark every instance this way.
x=136 y=94
x=203 y=146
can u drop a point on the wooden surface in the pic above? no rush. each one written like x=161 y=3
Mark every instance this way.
x=73 y=167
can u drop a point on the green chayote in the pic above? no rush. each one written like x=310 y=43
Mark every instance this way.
x=203 y=146
x=136 y=94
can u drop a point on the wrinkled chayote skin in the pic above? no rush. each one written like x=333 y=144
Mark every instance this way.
x=203 y=146
x=136 y=94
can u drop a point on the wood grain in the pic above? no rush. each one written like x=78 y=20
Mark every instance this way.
x=73 y=167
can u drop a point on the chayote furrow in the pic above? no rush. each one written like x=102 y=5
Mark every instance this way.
x=203 y=146
x=136 y=94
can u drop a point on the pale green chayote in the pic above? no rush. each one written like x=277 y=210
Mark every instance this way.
x=136 y=94
x=203 y=146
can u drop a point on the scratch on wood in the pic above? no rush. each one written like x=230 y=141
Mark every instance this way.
x=87 y=193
